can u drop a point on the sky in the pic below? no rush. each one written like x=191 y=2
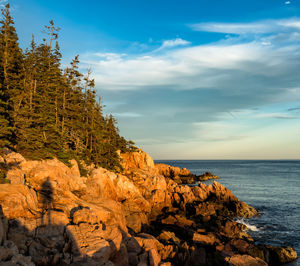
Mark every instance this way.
x=186 y=79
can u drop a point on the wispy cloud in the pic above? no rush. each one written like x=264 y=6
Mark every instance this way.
x=230 y=91
x=109 y=56
x=218 y=131
x=174 y=43
x=219 y=66
x=260 y=27
x=276 y=115
x=294 y=109
x=127 y=114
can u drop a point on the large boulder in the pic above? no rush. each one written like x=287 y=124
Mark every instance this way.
x=104 y=211
x=61 y=177
x=35 y=173
x=12 y=158
x=281 y=255
x=13 y=161
x=136 y=160
x=179 y=175
x=97 y=242
x=18 y=201
x=242 y=260
x=105 y=184
x=172 y=171
x=220 y=192
x=209 y=239
x=207 y=176
x=234 y=230
x=224 y=196
x=146 y=181
x=201 y=192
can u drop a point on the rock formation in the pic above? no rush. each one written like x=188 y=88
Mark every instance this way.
x=207 y=176
x=180 y=176
x=50 y=215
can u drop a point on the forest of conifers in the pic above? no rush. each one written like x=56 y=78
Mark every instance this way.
x=47 y=111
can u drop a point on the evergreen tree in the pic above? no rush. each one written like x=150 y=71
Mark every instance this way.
x=46 y=113
x=73 y=125
x=39 y=133
x=27 y=127
x=11 y=66
x=5 y=128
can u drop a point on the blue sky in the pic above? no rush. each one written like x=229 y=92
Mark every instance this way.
x=187 y=79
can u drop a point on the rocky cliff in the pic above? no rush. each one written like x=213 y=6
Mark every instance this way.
x=50 y=215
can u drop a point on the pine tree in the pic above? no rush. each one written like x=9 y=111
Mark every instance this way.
x=49 y=80
x=5 y=128
x=10 y=78
x=40 y=135
x=73 y=124
x=45 y=113
x=29 y=142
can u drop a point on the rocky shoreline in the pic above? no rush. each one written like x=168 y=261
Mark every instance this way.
x=50 y=215
x=182 y=176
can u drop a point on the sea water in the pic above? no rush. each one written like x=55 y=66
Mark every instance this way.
x=272 y=187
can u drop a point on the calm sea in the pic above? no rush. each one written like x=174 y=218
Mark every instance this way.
x=272 y=187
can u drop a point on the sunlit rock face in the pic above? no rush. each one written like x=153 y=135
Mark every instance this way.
x=136 y=160
x=50 y=215
x=180 y=176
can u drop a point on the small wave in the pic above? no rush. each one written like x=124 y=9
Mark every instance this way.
x=249 y=226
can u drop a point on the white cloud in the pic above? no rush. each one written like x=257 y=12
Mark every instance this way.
x=276 y=115
x=266 y=66
x=287 y=2
x=128 y=114
x=260 y=27
x=219 y=131
x=109 y=56
x=235 y=28
x=240 y=85
x=174 y=43
x=185 y=68
x=290 y=23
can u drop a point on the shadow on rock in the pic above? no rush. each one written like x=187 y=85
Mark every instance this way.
x=63 y=244
x=45 y=195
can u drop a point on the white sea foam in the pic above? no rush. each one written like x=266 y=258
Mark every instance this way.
x=249 y=226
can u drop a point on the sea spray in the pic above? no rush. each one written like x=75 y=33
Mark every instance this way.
x=249 y=226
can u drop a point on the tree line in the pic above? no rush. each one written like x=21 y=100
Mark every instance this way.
x=47 y=111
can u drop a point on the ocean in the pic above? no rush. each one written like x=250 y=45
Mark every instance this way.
x=271 y=186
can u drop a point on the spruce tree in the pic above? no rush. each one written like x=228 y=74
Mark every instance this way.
x=11 y=66
x=73 y=124
x=27 y=123
x=5 y=128
x=45 y=113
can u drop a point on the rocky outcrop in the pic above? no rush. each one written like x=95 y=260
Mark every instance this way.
x=136 y=160
x=180 y=176
x=51 y=215
x=281 y=255
x=241 y=260
x=207 y=176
